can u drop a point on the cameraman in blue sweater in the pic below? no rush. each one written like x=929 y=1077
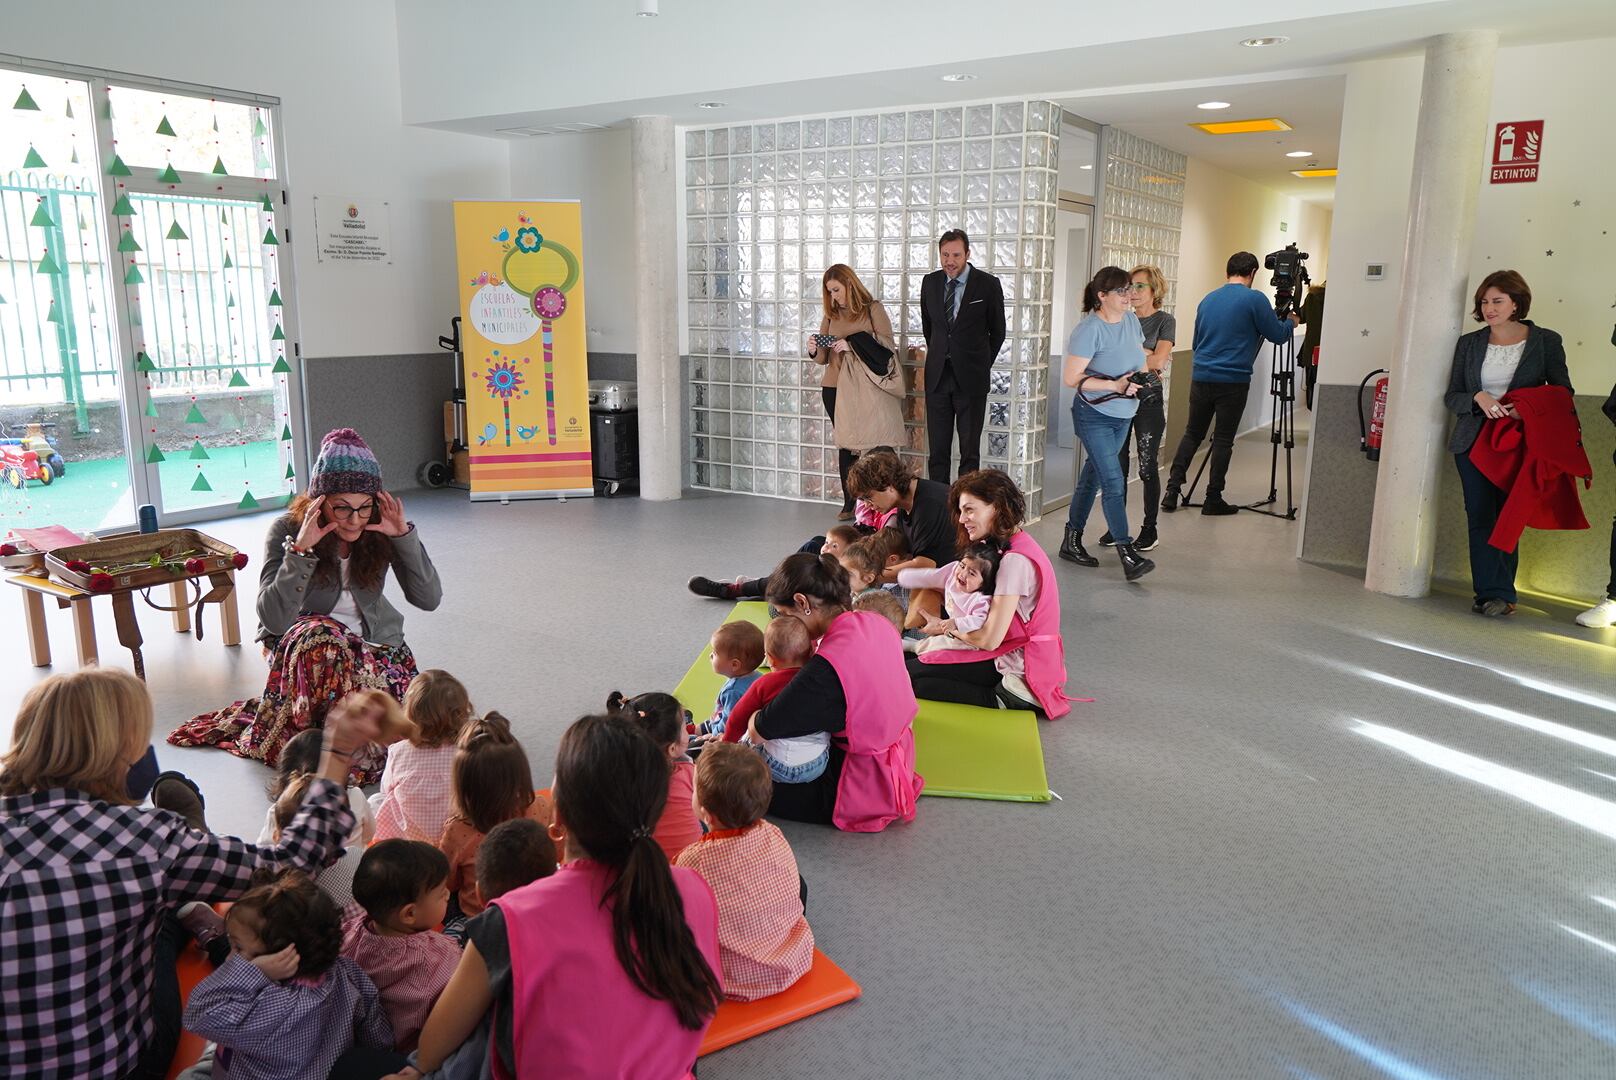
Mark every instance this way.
x=1230 y=326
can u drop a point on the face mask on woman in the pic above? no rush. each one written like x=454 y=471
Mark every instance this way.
x=142 y=775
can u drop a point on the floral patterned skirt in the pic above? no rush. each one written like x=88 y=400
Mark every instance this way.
x=315 y=664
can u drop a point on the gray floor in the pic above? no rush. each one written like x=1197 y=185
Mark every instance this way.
x=1306 y=831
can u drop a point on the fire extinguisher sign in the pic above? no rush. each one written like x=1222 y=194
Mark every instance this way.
x=1517 y=150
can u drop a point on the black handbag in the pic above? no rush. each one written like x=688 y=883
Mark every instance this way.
x=876 y=356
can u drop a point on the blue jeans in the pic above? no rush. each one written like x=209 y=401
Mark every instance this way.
x=1103 y=438
x=1492 y=572
x=796 y=774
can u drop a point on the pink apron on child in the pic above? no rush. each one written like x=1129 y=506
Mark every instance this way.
x=576 y=1013
x=878 y=784
x=1039 y=638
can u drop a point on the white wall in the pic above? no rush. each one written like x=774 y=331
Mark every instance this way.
x=336 y=71
x=1572 y=87
x=594 y=168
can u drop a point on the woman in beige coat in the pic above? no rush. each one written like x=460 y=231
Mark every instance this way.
x=866 y=411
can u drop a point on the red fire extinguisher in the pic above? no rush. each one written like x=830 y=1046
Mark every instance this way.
x=1371 y=430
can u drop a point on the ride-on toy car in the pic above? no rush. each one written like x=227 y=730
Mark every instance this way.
x=18 y=466
x=35 y=439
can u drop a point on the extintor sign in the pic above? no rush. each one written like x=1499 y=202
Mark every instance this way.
x=1517 y=151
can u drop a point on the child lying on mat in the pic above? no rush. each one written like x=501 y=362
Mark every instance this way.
x=967 y=585
x=787 y=647
x=764 y=943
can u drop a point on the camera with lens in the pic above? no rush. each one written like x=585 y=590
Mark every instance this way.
x=1289 y=277
x=1150 y=387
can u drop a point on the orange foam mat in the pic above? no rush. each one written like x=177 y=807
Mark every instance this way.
x=192 y=967
x=824 y=987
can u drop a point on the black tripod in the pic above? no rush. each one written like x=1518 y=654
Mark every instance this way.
x=1281 y=431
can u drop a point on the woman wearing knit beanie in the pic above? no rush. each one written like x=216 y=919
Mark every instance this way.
x=322 y=618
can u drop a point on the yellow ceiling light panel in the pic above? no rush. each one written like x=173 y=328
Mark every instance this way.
x=1242 y=127
x=1311 y=174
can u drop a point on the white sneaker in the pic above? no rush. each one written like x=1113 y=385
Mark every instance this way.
x=1600 y=615
x=1017 y=687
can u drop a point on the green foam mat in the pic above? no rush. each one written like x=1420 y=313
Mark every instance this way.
x=964 y=752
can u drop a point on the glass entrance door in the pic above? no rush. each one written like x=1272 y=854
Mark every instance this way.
x=1074 y=253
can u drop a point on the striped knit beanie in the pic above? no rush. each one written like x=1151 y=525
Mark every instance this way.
x=345 y=466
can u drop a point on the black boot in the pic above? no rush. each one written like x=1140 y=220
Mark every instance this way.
x=1134 y=565
x=1169 y=501
x=1072 y=550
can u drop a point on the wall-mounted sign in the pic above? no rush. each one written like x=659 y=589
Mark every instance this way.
x=352 y=230
x=1517 y=150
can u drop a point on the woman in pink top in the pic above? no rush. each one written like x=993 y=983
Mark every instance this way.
x=609 y=967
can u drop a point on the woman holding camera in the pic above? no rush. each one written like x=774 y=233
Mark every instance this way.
x=866 y=410
x=1106 y=350
x=322 y=619
x=1150 y=422
x=1508 y=354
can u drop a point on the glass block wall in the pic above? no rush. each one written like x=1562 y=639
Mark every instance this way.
x=1144 y=206
x=769 y=206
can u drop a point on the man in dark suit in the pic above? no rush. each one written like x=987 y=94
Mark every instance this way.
x=962 y=316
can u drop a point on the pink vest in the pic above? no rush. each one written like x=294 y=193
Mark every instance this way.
x=879 y=784
x=1039 y=637
x=576 y=1013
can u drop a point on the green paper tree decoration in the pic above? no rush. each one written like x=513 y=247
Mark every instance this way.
x=134 y=315
x=47 y=265
x=118 y=168
x=279 y=334
x=286 y=433
x=218 y=167
x=228 y=261
x=52 y=315
x=107 y=112
x=275 y=298
x=143 y=363
x=259 y=130
x=269 y=207
x=33 y=160
x=70 y=108
x=134 y=277
x=231 y=300
x=290 y=474
x=198 y=451
x=154 y=455
x=247 y=502
x=75 y=158
x=175 y=232
x=25 y=100
x=151 y=408
x=42 y=216
x=195 y=415
x=168 y=175
x=165 y=128
x=269 y=236
x=128 y=242
x=215 y=121
x=123 y=207
x=237 y=378
x=3 y=300
x=201 y=483
x=281 y=367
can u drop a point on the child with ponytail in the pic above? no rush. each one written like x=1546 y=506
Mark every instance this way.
x=610 y=966
x=661 y=717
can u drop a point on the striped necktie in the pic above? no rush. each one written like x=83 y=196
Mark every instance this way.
x=948 y=300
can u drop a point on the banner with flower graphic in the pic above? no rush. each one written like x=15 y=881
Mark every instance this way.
x=526 y=354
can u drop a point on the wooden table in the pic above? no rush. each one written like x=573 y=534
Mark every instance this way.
x=35 y=589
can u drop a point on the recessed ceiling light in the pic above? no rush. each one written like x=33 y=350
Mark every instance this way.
x=712 y=104
x=959 y=76
x=1243 y=127
x=648 y=9
x=1263 y=42
x=1300 y=153
x=1311 y=174
x=1213 y=105
x=1085 y=166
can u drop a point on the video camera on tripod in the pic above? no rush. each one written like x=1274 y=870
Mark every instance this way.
x=1289 y=277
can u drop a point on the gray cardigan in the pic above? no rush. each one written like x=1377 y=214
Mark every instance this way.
x=286 y=588
x=1542 y=361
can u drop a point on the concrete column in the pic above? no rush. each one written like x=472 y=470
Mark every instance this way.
x=656 y=287
x=1448 y=146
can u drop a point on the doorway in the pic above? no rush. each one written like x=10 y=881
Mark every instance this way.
x=1074 y=258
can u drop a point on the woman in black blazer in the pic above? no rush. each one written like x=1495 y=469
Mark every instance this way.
x=1508 y=354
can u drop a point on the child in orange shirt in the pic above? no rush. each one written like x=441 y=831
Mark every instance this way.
x=663 y=718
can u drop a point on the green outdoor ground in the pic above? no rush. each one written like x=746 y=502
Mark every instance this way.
x=95 y=494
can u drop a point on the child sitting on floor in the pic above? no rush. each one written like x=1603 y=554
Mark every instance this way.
x=414 y=800
x=839 y=539
x=300 y=760
x=967 y=585
x=868 y=559
x=662 y=717
x=883 y=604
x=401 y=892
x=285 y=1003
x=737 y=651
x=764 y=942
x=787 y=647
x=490 y=782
